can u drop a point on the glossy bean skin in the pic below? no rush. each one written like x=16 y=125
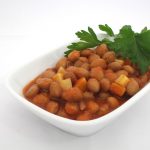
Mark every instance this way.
x=32 y=91
x=115 y=66
x=86 y=52
x=121 y=72
x=92 y=107
x=97 y=73
x=103 y=109
x=52 y=107
x=74 y=55
x=86 y=66
x=93 y=85
x=113 y=102
x=49 y=73
x=84 y=116
x=109 y=56
x=93 y=57
x=103 y=95
x=88 y=95
x=81 y=72
x=72 y=94
x=101 y=49
x=40 y=100
x=72 y=108
x=111 y=76
x=129 y=69
x=105 y=84
x=44 y=83
x=132 y=87
x=98 y=63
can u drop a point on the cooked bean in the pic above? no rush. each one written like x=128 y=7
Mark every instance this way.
x=97 y=73
x=55 y=89
x=83 y=59
x=69 y=63
x=120 y=72
x=40 y=100
x=71 y=69
x=81 y=72
x=105 y=84
x=72 y=108
x=92 y=107
x=111 y=76
x=61 y=63
x=32 y=91
x=101 y=49
x=98 y=62
x=109 y=56
x=52 y=107
x=93 y=57
x=43 y=83
x=74 y=55
x=71 y=75
x=78 y=63
x=86 y=52
x=120 y=61
x=49 y=73
x=103 y=109
x=143 y=80
x=115 y=66
x=129 y=69
x=85 y=66
x=88 y=95
x=84 y=116
x=93 y=85
x=132 y=87
x=103 y=95
x=108 y=71
x=113 y=102
x=61 y=112
x=72 y=94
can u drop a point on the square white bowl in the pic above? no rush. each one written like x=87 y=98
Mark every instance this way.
x=21 y=76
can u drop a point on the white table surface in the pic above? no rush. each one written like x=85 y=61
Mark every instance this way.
x=32 y=27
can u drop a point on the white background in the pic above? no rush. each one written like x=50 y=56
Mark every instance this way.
x=32 y=27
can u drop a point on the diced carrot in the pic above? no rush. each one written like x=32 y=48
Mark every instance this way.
x=117 y=89
x=81 y=84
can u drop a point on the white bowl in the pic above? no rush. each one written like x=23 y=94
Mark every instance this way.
x=20 y=77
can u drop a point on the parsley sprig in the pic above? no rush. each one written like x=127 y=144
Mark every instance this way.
x=127 y=43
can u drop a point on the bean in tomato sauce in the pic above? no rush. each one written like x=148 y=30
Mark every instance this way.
x=86 y=84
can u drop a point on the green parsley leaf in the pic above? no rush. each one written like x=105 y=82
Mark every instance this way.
x=107 y=29
x=144 y=29
x=136 y=47
x=88 y=39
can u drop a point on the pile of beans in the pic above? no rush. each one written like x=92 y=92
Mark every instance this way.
x=86 y=85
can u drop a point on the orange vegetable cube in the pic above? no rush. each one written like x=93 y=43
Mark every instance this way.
x=117 y=89
x=81 y=84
